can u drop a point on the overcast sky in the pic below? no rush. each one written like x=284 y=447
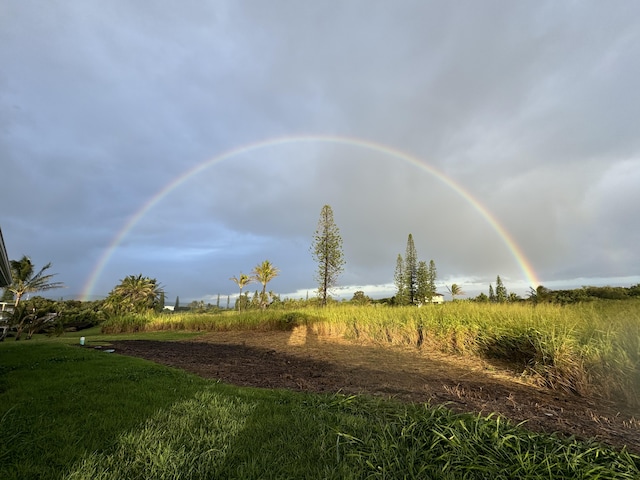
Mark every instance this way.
x=531 y=107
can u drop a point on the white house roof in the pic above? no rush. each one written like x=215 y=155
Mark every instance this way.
x=5 y=267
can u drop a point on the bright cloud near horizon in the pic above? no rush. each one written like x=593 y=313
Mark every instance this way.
x=530 y=108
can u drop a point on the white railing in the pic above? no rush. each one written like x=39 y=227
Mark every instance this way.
x=6 y=307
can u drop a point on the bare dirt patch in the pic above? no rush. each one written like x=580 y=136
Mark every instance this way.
x=301 y=360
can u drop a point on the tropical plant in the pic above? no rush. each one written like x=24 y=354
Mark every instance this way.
x=7 y=296
x=327 y=251
x=135 y=294
x=539 y=294
x=242 y=281
x=359 y=298
x=26 y=281
x=265 y=272
x=32 y=315
x=455 y=290
x=482 y=298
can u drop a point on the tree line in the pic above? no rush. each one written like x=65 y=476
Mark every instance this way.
x=542 y=294
x=414 y=279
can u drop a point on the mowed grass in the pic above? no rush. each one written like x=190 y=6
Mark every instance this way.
x=590 y=349
x=78 y=413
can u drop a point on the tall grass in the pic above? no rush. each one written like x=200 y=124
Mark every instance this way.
x=198 y=322
x=586 y=349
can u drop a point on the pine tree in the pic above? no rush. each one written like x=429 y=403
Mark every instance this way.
x=423 y=282
x=501 y=291
x=398 y=277
x=327 y=251
x=411 y=272
x=177 y=305
x=426 y=281
x=492 y=296
x=432 y=274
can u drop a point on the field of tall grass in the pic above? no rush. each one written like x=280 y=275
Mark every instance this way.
x=588 y=349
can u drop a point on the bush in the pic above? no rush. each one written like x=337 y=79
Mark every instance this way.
x=126 y=324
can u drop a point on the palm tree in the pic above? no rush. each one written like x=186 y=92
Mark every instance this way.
x=134 y=294
x=265 y=272
x=455 y=290
x=242 y=282
x=25 y=281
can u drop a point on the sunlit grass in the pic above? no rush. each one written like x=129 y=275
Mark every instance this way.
x=199 y=322
x=588 y=349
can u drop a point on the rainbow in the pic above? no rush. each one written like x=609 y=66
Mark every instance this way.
x=515 y=250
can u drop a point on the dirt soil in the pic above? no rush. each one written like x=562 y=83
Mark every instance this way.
x=301 y=360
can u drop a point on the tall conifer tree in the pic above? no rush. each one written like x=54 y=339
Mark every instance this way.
x=501 y=291
x=432 y=274
x=327 y=251
x=411 y=272
x=426 y=281
x=423 y=282
x=398 y=277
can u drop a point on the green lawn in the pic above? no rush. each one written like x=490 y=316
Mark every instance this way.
x=78 y=413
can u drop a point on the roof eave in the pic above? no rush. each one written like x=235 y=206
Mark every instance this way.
x=5 y=266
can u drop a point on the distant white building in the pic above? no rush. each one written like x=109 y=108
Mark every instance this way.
x=437 y=298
